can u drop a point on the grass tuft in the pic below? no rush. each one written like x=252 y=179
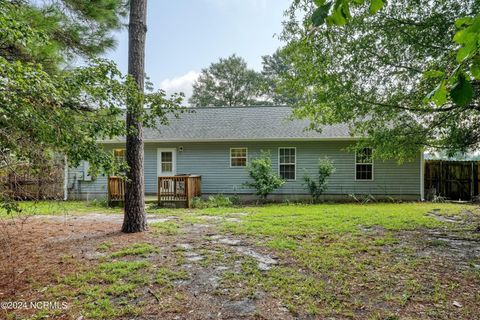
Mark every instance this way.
x=137 y=249
x=165 y=277
x=169 y=228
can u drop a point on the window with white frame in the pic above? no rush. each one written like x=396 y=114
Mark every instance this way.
x=119 y=155
x=287 y=163
x=238 y=157
x=166 y=161
x=364 y=164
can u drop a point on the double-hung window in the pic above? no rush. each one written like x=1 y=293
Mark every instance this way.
x=167 y=161
x=238 y=157
x=119 y=155
x=364 y=164
x=287 y=163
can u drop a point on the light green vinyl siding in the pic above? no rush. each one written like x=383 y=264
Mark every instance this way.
x=211 y=160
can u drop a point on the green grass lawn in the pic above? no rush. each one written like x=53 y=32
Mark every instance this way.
x=292 y=220
x=343 y=255
x=372 y=261
x=59 y=208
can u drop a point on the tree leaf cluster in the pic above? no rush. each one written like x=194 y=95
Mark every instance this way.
x=230 y=83
x=47 y=106
x=403 y=78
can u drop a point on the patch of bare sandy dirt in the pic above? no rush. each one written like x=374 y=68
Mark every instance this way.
x=38 y=251
x=38 y=247
x=47 y=248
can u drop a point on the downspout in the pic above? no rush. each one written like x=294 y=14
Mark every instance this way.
x=65 y=180
x=422 y=176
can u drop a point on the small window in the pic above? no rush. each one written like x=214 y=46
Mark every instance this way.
x=364 y=164
x=287 y=163
x=167 y=161
x=119 y=155
x=238 y=157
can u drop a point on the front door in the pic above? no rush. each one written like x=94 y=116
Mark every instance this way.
x=166 y=162
x=166 y=165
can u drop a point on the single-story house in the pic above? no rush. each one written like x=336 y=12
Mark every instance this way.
x=217 y=143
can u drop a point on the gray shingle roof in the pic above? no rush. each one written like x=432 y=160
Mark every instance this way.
x=240 y=123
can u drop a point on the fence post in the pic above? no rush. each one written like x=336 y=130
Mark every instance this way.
x=187 y=182
x=109 y=191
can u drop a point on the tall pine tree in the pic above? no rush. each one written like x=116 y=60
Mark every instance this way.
x=135 y=219
x=45 y=103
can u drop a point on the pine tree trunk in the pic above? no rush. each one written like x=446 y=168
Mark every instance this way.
x=135 y=218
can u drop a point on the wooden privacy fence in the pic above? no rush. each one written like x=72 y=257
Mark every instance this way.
x=116 y=190
x=25 y=181
x=179 y=189
x=455 y=180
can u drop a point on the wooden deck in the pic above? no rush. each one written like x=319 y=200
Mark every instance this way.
x=176 y=190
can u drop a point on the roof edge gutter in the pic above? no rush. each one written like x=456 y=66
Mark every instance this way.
x=233 y=140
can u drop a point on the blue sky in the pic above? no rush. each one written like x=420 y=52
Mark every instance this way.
x=185 y=36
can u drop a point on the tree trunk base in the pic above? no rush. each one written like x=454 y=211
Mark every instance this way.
x=133 y=224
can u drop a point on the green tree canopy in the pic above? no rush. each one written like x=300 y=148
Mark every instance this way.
x=58 y=31
x=387 y=74
x=228 y=82
x=275 y=67
x=46 y=107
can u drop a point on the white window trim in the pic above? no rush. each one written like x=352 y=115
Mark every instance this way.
x=373 y=168
x=119 y=149
x=124 y=157
x=295 y=164
x=246 y=157
x=159 y=162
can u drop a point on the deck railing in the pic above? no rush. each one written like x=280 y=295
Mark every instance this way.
x=181 y=188
x=116 y=189
x=172 y=189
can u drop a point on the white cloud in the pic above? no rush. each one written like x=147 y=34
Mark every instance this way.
x=182 y=83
